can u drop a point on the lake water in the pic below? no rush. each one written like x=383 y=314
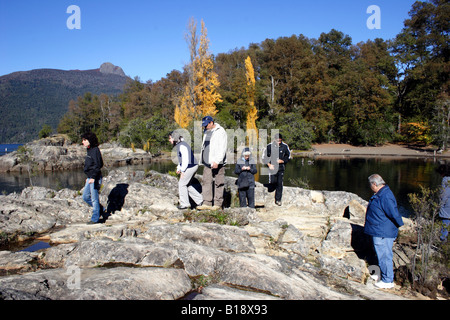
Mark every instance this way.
x=404 y=176
x=7 y=148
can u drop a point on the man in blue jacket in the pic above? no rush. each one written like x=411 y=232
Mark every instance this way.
x=382 y=223
x=444 y=211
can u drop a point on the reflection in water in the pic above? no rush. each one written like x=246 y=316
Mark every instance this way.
x=404 y=176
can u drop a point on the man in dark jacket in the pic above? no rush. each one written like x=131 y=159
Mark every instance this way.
x=382 y=223
x=92 y=168
x=246 y=169
x=276 y=156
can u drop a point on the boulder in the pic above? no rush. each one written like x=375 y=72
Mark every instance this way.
x=59 y=153
x=99 y=284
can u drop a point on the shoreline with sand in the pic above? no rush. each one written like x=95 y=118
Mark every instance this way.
x=388 y=150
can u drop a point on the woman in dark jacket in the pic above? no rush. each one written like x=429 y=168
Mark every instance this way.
x=92 y=168
x=246 y=169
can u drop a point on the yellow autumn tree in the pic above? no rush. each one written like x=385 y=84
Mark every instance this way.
x=184 y=109
x=185 y=106
x=252 y=114
x=206 y=79
x=200 y=94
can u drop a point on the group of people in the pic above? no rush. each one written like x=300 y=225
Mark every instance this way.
x=214 y=158
x=382 y=217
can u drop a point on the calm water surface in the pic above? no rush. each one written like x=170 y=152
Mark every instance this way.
x=404 y=176
x=7 y=148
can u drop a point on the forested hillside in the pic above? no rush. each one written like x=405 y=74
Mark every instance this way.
x=31 y=99
x=313 y=90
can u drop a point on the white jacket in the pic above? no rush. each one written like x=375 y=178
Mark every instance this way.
x=217 y=146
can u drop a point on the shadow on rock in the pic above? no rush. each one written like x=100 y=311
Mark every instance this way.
x=116 y=199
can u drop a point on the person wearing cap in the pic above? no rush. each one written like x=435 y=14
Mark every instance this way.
x=246 y=169
x=187 y=168
x=214 y=158
x=276 y=156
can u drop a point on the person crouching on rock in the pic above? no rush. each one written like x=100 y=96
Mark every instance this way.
x=92 y=168
x=187 y=167
x=246 y=169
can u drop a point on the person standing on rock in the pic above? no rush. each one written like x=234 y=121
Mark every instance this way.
x=246 y=169
x=214 y=159
x=276 y=156
x=382 y=223
x=187 y=167
x=92 y=168
x=444 y=211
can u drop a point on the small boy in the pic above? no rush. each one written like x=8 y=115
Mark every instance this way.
x=246 y=169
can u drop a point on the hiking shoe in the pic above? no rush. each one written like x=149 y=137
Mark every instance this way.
x=384 y=285
x=278 y=203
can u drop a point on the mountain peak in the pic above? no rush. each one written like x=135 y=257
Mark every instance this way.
x=109 y=68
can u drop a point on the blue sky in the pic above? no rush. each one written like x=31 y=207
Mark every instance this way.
x=146 y=38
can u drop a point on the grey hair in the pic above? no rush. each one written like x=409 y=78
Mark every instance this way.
x=376 y=179
x=176 y=136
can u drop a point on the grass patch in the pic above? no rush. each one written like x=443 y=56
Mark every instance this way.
x=210 y=216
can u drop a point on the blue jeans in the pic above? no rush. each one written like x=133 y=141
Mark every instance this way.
x=383 y=249
x=90 y=196
x=445 y=228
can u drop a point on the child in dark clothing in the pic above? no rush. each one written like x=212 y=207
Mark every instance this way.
x=246 y=169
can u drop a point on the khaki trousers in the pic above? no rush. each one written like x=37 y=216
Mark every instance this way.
x=214 y=177
x=186 y=189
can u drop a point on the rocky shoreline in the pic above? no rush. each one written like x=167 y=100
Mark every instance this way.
x=57 y=153
x=311 y=248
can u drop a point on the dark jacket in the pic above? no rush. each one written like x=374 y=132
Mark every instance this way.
x=283 y=154
x=188 y=161
x=93 y=163
x=246 y=178
x=382 y=216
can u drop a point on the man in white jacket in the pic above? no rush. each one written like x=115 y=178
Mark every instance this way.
x=214 y=158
